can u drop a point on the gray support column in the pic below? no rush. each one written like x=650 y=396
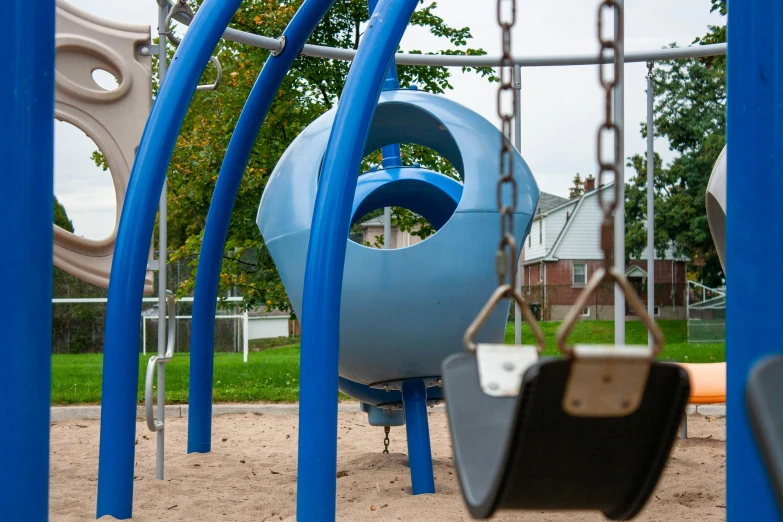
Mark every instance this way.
x=619 y=213
x=518 y=145
x=162 y=257
x=650 y=201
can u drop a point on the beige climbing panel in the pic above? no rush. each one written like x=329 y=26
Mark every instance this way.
x=113 y=119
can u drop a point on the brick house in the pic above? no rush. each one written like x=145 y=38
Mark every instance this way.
x=562 y=252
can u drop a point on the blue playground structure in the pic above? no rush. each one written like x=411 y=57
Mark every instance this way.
x=315 y=194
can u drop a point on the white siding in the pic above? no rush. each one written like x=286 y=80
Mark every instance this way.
x=555 y=222
x=537 y=248
x=582 y=239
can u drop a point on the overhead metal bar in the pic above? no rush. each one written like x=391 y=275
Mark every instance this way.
x=435 y=60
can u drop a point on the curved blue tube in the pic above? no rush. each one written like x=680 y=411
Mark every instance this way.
x=202 y=344
x=26 y=146
x=121 y=344
x=317 y=463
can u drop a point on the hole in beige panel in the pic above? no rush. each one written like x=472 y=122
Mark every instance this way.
x=105 y=80
x=85 y=190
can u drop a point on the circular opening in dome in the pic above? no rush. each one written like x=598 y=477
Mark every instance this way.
x=409 y=155
x=84 y=190
x=407 y=229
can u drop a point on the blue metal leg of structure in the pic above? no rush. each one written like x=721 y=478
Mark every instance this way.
x=26 y=203
x=754 y=233
x=202 y=344
x=317 y=464
x=121 y=346
x=414 y=398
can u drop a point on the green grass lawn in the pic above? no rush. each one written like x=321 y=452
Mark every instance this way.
x=602 y=332
x=272 y=375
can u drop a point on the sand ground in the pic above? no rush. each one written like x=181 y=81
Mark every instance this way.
x=251 y=474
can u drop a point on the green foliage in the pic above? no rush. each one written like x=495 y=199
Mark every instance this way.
x=690 y=112
x=61 y=216
x=312 y=87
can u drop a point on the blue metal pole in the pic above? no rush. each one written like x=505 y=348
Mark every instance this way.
x=317 y=465
x=414 y=399
x=202 y=344
x=754 y=233
x=26 y=211
x=392 y=157
x=121 y=357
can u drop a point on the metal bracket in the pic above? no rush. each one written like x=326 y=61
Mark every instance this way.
x=501 y=367
x=607 y=381
x=282 y=41
x=148 y=49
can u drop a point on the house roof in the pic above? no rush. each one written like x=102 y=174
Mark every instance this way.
x=377 y=221
x=547 y=202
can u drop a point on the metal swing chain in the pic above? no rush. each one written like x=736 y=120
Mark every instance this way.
x=608 y=272
x=386 y=430
x=505 y=258
x=609 y=125
x=506 y=255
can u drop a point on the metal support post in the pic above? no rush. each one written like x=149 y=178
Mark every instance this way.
x=245 y=335
x=754 y=238
x=26 y=211
x=414 y=399
x=619 y=213
x=518 y=145
x=219 y=216
x=651 y=200
x=163 y=10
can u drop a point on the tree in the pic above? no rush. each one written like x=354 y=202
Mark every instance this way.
x=690 y=112
x=578 y=188
x=312 y=87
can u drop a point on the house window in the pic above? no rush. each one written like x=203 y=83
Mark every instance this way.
x=540 y=234
x=580 y=273
x=656 y=311
x=586 y=311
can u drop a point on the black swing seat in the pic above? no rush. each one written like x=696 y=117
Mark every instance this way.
x=763 y=396
x=526 y=452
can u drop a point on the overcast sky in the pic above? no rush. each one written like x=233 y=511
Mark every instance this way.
x=561 y=107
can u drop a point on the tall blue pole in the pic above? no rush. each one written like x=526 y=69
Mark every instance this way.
x=202 y=343
x=317 y=464
x=392 y=157
x=121 y=350
x=26 y=211
x=754 y=236
x=414 y=399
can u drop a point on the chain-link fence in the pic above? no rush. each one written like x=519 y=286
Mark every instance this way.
x=706 y=314
x=78 y=327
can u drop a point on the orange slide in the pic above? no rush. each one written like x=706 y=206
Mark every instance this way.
x=708 y=382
